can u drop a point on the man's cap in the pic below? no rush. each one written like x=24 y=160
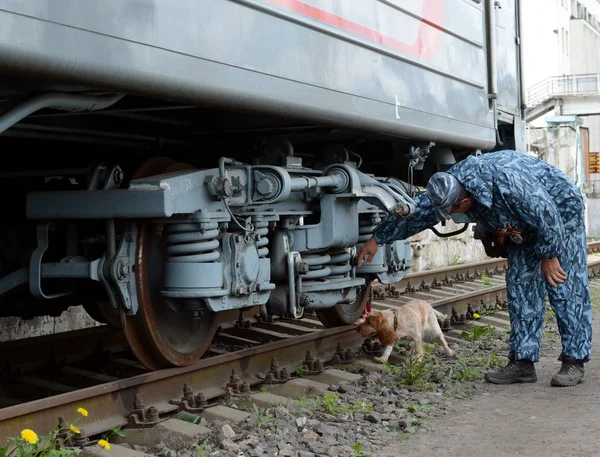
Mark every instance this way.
x=443 y=191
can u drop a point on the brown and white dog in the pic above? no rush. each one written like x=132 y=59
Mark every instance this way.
x=415 y=321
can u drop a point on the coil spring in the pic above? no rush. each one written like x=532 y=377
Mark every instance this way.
x=317 y=268
x=260 y=235
x=193 y=242
x=339 y=263
x=367 y=227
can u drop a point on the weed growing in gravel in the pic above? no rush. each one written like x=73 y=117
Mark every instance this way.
x=402 y=346
x=469 y=369
x=264 y=419
x=478 y=332
x=332 y=405
x=487 y=281
x=415 y=408
x=358 y=451
x=203 y=449
x=414 y=370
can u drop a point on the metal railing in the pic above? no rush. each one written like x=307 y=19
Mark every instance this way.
x=557 y=86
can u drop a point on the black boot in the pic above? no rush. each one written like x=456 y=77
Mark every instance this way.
x=570 y=374
x=515 y=371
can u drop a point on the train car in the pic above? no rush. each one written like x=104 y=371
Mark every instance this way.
x=169 y=163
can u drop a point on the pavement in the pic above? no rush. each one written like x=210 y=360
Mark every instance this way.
x=535 y=420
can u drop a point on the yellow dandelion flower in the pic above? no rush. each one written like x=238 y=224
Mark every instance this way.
x=75 y=429
x=83 y=412
x=104 y=444
x=29 y=435
x=476 y=316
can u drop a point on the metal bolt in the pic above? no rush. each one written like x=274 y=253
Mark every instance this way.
x=201 y=400
x=137 y=403
x=234 y=377
x=265 y=187
x=187 y=392
x=153 y=414
x=274 y=364
x=302 y=268
x=81 y=439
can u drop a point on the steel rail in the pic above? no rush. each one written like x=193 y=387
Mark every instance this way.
x=429 y=276
x=110 y=404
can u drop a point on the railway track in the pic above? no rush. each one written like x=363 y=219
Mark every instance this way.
x=46 y=378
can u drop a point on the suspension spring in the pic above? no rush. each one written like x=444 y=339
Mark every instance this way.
x=317 y=268
x=260 y=235
x=193 y=242
x=339 y=265
x=367 y=227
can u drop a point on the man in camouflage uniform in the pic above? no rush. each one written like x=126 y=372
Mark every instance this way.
x=538 y=214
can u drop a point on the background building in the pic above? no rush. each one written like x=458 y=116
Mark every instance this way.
x=561 y=64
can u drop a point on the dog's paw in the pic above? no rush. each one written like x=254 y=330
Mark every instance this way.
x=380 y=359
x=450 y=353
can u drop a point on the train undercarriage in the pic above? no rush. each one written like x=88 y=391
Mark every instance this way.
x=160 y=224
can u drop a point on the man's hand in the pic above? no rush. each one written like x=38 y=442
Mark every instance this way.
x=553 y=272
x=367 y=252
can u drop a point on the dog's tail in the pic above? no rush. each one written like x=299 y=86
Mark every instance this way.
x=439 y=315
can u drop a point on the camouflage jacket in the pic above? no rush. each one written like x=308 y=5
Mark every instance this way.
x=509 y=187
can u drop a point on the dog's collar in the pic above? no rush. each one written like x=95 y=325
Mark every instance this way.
x=395 y=321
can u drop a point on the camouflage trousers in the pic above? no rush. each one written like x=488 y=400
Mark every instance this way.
x=571 y=303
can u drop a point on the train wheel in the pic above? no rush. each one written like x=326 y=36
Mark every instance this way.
x=103 y=312
x=159 y=336
x=97 y=305
x=346 y=314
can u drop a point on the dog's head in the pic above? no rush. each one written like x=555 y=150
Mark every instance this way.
x=367 y=326
x=375 y=325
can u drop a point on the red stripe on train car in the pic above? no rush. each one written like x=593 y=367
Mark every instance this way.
x=428 y=37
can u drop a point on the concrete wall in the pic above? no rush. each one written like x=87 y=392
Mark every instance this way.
x=593 y=219
x=556 y=146
x=431 y=251
x=585 y=59
x=75 y=318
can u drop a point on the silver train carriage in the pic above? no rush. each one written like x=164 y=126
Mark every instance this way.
x=169 y=164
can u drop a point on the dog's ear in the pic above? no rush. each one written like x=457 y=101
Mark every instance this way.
x=385 y=332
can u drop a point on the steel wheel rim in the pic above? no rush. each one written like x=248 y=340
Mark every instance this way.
x=159 y=336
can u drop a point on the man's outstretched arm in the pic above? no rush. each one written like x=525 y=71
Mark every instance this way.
x=399 y=228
